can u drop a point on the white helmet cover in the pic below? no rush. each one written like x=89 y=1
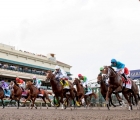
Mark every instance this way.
x=57 y=67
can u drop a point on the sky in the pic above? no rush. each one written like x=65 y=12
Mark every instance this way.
x=85 y=34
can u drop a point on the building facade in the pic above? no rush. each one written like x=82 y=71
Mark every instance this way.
x=17 y=63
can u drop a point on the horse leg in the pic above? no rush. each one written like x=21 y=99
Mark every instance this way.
x=86 y=103
x=111 y=101
x=138 y=96
x=88 y=99
x=108 y=95
x=32 y=105
x=128 y=100
x=10 y=103
x=28 y=99
x=136 y=100
x=118 y=98
x=61 y=101
x=77 y=99
x=131 y=98
x=45 y=101
x=47 y=97
x=66 y=102
x=57 y=98
x=73 y=99
x=18 y=100
x=104 y=96
x=72 y=94
x=2 y=103
x=80 y=100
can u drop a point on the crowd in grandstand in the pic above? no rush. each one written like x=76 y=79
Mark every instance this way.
x=21 y=69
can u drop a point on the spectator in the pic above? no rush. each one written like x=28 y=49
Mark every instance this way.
x=0 y=65
x=5 y=66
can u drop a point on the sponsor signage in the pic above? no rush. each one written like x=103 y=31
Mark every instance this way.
x=135 y=74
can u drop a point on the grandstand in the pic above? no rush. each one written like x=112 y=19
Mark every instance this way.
x=23 y=64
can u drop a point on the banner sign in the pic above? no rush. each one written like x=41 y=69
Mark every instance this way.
x=135 y=74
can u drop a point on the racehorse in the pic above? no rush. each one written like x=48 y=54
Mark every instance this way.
x=115 y=81
x=81 y=92
x=103 y=87
x=58 y=90
x=2 y=96
x=34 y=92
x=16 y=92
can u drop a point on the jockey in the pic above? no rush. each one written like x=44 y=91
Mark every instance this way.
x=101 y=69
x=37 y=82
x=84 y=83
x=60 y=74
x=120 y=67
x=21 y=83
x=4 y=86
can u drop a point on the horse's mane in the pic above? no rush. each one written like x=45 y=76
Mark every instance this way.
x=78 y=80
x=16 y=83
x=112 y=69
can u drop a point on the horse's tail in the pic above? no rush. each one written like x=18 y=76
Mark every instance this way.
x=95 y=95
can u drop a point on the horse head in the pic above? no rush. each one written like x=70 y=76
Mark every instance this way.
x=11 y=85
x=76 y=81
x=109 y=71
x=49 y=75
x=99 y=78
x=28 y=84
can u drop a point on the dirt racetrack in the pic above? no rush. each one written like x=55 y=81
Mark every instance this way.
x=96 y=113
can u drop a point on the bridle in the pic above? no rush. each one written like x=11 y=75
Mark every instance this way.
x=75 y=82
x=109 y=72
x=48 y=79
x=11 y=86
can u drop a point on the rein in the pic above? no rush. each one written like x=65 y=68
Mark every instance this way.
x=109 y=72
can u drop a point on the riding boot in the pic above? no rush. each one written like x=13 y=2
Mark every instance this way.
x=6 y=90
x=86 y=90
x=124 y=76
x=63 y=82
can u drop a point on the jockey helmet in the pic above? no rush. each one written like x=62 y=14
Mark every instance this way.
x=17 y=79
x=113 y=61
x=57 y=67
x=79 y=75
x=101 y=68
x=34 y=77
